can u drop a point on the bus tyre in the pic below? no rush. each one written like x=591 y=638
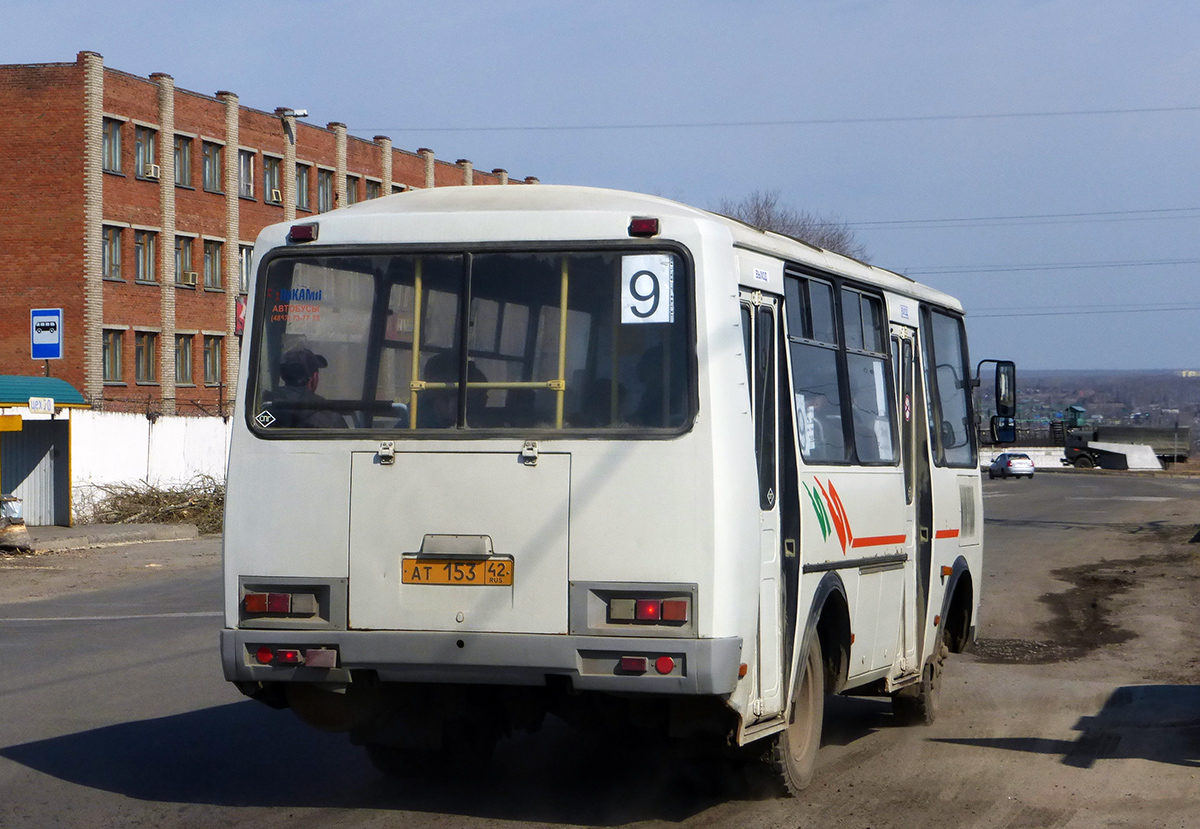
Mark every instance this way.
x=918 y=704
x=792 y=757
x=1084 y=462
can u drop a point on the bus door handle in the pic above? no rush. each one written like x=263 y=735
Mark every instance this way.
x=924 y=534
x=387 y=452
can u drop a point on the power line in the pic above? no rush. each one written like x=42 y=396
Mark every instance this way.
x=798 y=122
x=1036 y=218
x=1073 y=313
x=950 y=270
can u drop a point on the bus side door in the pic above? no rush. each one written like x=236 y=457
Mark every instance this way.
x=759 y=329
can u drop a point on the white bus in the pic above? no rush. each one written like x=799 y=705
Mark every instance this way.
x=509 y=451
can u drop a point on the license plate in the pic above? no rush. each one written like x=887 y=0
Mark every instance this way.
x=465 y=572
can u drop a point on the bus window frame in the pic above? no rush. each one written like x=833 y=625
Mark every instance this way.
x=933 y=394
x=466 y=250
x=842 y=350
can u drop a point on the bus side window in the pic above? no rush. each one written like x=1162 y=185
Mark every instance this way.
x=813 y=345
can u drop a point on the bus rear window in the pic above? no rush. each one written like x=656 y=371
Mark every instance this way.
x=525 y=341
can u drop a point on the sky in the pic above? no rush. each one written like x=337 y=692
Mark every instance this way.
x=1038 y=159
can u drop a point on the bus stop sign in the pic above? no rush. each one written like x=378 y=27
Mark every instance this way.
x=45 y=333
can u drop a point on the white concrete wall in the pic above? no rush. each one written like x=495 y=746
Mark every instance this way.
x=121 y=448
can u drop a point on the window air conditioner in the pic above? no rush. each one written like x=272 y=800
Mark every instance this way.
x=276 y=196
x=151 y=171
x=188 y=278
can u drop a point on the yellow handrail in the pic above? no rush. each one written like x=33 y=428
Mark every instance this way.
x=416 y=348
x=562 y=350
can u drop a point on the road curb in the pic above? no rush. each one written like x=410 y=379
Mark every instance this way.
x=60 y=539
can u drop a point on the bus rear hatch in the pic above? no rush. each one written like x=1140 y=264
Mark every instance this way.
x=459 y=541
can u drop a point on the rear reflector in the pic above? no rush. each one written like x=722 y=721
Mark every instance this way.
x=264 y=656
x=634 y=664
x=664 y=665
x=649 y=610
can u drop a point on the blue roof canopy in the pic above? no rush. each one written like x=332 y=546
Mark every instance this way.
x=15 y=390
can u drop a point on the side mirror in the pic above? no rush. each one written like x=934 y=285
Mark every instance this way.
x=1006 y=390
x=1004 y=429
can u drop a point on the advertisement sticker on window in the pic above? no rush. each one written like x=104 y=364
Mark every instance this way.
x=647 y=288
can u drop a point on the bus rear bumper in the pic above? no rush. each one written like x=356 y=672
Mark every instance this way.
x=600 y=663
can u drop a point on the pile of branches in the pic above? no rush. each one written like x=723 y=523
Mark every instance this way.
x=201 y=501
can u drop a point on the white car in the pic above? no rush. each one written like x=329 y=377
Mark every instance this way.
x=1011 y=465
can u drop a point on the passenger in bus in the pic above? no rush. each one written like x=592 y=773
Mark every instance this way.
x=438 y=408
x=297 y=404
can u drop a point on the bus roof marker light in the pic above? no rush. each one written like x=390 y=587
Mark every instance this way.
x=302 y=233
x=643 y=226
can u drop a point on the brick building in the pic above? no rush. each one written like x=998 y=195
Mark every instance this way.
x=133 y=205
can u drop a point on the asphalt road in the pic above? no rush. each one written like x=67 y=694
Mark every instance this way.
x=1080 y=708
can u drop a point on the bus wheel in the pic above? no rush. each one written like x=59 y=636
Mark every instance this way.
x=793 y=754
x=918 y=704
x=1084 y=462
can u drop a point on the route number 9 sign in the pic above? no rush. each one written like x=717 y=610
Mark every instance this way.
x=647 y=288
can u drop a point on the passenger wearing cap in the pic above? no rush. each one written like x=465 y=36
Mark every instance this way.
x=301 y=405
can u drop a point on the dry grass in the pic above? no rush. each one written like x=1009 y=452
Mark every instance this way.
x=201 y=501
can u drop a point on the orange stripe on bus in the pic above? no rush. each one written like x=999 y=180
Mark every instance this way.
x=946 y=534
x=879 y=540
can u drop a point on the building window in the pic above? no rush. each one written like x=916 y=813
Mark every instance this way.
x=183 y=359
x=143 y=254
x=302 y=171
x=110 y=253
x=144 y=140
x=351 y=190
x=373 y=189
x=246 y=174
x=112 y=145
x=212 y=264
x=212 y=360
x=145 y=347
x=212 y=166
x=184 y=275
x=112 y=356
x=324 y=191
x=245 y=256
x=272 y=185
x=183 y=160
x=399 y=188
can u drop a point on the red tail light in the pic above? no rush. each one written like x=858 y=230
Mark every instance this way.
x=648 y=610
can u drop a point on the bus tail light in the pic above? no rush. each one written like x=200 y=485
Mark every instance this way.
x=673 y=610
x=648 y=610
x=279 y=604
